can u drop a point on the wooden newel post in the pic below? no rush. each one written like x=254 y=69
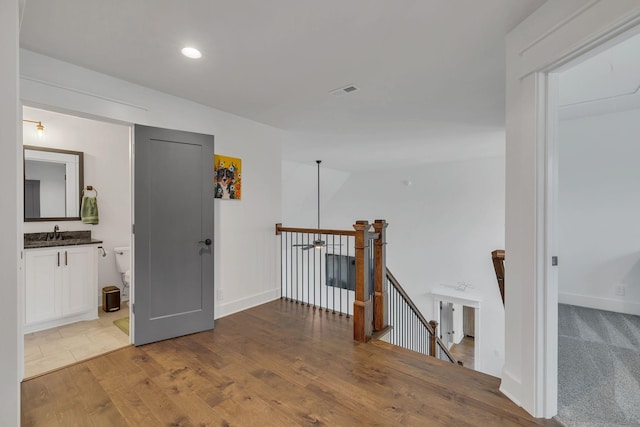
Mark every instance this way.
x=433 y=338
x=380 y=295
x=362 y=307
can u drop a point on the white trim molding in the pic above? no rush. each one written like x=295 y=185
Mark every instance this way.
x=599 y=303
x=246 y=303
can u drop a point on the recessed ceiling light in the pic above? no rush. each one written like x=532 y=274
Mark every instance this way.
x=191 y=52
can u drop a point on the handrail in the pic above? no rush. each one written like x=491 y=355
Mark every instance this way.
x=280 y=229
x=418 y=313
x=409 y=301
x=498 y=265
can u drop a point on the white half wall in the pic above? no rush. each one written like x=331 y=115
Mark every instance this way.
x=599 y=211
x=442 y=228
x=247 y=264
x=10 y=215
x=106 y=167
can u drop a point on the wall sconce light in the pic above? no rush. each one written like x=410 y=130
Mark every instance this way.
x=39 y=126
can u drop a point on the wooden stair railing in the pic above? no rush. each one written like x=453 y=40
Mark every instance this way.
x=302 y=282
x=431 y=327
x=304 y=260
x=498 y=266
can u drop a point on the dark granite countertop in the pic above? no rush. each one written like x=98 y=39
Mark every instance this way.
x=64 y=238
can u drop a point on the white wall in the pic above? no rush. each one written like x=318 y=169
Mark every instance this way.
x=247 y=263
x=442 y=229
x=599 y=211
x=106 y=167
x=10 y=211
x=554 y=34
x=300 y=193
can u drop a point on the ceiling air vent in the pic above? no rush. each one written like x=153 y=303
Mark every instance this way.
x=344 y=90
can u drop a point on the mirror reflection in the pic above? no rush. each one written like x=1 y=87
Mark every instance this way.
x=53 y=181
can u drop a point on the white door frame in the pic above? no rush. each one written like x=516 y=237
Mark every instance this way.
x=555 y=35
x=546 y=365
x=20 y=227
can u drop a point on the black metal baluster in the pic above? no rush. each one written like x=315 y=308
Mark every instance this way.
x=398 y=321
x=284 y=278
x=326 y=284
x=410 y=336
x=281 y=262
x=301 y=272
x=404 y=321
x=340 y=274
x=300 y=287
x=406 y=316
x=413 y=331
x=291 y=268
x=333 y=291
x=395 y=318
x=317 y=256
x=290 y=273
x=392 y=314
x=297 y=271
x=402 y=325
x=314 y=279
x=348 y=276
x=308 y=275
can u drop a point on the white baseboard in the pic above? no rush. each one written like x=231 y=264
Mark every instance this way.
x=509 y=383
x=41 y=326
x=627 y=307
x=232 y=307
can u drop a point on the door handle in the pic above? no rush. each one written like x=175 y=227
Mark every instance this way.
x=66 y=258
x=205 y=242
x=58 y=259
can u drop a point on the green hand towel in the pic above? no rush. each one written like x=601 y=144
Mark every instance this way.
x=89 y=210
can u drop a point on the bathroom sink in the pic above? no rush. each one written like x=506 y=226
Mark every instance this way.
x=66 y=238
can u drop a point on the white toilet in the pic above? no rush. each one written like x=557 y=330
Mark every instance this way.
x=123 y=264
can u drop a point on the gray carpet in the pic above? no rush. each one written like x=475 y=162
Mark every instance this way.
x=598 y=368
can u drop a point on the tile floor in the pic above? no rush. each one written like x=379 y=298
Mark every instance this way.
x=57 y=347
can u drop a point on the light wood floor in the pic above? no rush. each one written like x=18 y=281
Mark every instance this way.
x=279 y=364
x=465 y=351
x=65 y=345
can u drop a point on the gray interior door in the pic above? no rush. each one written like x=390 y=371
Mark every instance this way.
x=173 y=218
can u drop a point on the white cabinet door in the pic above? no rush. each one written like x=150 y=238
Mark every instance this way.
x=61 y=286
x=79 y=279
x=43 y=279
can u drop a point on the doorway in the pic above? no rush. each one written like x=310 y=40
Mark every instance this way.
x=598 y=112
x=458 y=331
x=458 y=315
x=69 y=324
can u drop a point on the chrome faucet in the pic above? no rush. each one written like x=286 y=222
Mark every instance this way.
x=56 y=233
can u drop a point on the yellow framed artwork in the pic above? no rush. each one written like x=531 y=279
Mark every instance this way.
x=228 y=177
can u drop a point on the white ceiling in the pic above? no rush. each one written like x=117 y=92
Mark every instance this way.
x=430 y=72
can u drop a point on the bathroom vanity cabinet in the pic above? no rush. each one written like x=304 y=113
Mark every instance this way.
x=61 y=285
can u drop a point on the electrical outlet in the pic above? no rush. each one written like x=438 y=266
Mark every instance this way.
x=620 y=290
x=219 y=294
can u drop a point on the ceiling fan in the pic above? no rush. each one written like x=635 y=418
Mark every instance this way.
x=318 y=243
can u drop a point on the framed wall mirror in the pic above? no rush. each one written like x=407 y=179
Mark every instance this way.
x=53 y=182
